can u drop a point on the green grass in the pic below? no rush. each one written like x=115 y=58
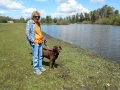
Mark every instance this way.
x=77 y=69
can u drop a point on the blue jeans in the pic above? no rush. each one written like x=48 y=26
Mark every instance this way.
x=37 y=56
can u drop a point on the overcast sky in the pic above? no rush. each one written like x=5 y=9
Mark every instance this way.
x=54 y=8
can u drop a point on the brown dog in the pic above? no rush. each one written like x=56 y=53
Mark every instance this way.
x=52 y=55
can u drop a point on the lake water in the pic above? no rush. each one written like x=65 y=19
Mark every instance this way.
x=101 y=39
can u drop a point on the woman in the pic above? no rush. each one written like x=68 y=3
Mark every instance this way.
x=35 y=38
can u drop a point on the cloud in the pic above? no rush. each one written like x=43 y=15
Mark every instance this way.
x=41 y=0
x=69 y=7
x=43 y=13
x=61 y=1
x=11 y=5
x=2 y=12
x=97 y=1
x=27 y=12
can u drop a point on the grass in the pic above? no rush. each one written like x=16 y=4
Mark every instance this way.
x=77 y=69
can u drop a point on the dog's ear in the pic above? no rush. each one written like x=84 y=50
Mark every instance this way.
x=55 y=49
x=60 y=47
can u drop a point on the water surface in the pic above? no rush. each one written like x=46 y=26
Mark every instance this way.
x=101 y=39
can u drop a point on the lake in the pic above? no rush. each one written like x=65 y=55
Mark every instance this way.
x=101 y=39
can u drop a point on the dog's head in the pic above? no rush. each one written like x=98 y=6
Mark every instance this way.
x=57 y=49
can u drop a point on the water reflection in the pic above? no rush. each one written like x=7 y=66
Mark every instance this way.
x=101 y=39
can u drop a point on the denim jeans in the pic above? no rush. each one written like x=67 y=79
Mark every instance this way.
x=37 y=56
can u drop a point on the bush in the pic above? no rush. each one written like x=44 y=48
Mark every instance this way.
x=98 y=21
x=117 y=20
x=86 y=22
x=62 y=22
x=116 y=23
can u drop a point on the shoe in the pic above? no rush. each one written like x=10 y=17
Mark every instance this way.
x=38 y=72
x=42 y=69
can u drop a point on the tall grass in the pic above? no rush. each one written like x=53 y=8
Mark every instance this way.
x=76 y=68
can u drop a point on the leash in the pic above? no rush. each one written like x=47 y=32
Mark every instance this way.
x=47 y=45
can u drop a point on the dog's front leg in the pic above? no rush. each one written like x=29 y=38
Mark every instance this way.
x=50 y=66
x=53 y=64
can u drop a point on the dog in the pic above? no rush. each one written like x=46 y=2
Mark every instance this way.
x=52 y=55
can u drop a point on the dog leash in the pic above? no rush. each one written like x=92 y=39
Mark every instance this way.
x=47 y=45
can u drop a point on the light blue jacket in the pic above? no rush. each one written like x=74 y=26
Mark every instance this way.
x=30 y=32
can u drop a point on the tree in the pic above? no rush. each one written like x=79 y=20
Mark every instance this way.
x=81 y=17
x=110 y=11
x=4 y=19
x=86 y=16
x=92 y=16
x=43 y=20
x=116 y=12
x=21 y=20
x=48 y=19
x=77 y=17
x=55 y=20
x=73 y=19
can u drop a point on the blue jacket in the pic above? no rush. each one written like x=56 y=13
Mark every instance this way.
x=30 y=32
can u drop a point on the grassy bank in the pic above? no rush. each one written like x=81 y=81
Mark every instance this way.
x=77 y=69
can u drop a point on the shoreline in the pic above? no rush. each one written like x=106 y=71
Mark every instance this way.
x=44 y=34
x=82 y=48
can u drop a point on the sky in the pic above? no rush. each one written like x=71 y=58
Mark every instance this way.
x=54 y=8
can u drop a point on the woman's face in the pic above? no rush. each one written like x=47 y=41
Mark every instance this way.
x=36 y=17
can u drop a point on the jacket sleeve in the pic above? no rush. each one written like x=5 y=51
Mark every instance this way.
x=30 y=32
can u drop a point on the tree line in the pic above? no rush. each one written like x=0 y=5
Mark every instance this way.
x=105 y=15
x=5 y=19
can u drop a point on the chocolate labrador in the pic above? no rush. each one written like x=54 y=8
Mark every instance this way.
x=52 y=55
